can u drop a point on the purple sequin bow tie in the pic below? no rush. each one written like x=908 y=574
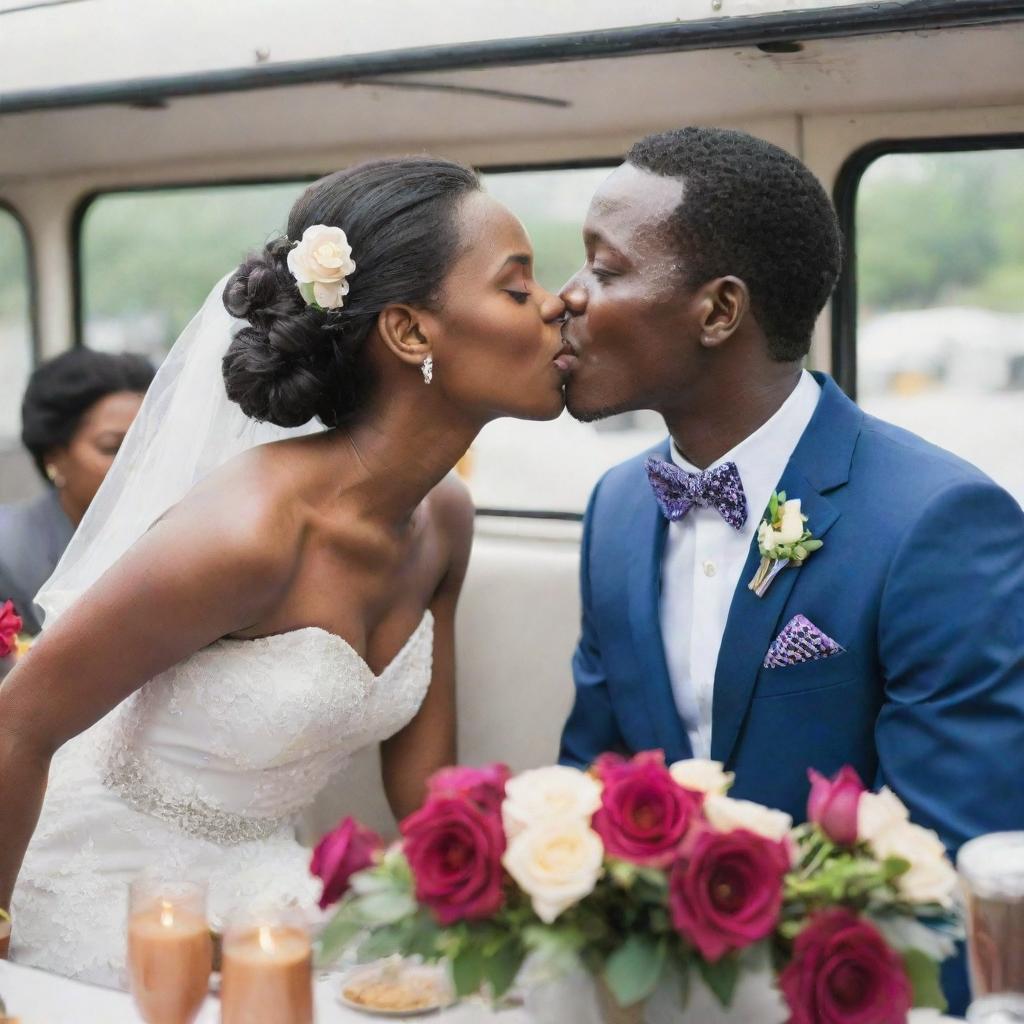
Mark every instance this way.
x=719 y=488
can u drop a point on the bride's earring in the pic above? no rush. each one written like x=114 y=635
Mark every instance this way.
x=427 y=369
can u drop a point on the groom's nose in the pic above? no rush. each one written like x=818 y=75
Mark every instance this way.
x=574 y=295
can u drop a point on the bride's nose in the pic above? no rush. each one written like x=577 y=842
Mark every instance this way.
x=552 y=307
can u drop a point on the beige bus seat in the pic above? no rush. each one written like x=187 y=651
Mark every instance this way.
x=517 y=626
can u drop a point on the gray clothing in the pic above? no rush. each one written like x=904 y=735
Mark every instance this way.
x=33 y=536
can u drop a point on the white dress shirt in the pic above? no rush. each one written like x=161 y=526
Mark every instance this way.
x=704 y=557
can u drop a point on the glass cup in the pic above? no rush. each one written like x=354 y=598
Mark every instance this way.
x=991 y=870
x=170 y=950
x=267 y=969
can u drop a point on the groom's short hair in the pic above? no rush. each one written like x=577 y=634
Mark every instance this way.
x=751 y=210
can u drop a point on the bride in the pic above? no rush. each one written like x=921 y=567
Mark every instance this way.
x=252 y=597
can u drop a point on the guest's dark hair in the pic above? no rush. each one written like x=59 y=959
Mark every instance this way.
x=751 y=210
x=293 y=362
x=62 y=390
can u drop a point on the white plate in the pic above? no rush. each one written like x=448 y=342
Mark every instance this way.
x=400 y=970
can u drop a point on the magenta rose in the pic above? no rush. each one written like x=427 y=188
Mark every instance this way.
x=454 y=850
x=727 y=892
x=832 y=804
x=644 y=814
x=485 y=785
x=842 y=972
x=351 y=847
x=10 y=627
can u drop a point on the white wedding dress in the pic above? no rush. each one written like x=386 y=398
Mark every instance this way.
x=200 y=774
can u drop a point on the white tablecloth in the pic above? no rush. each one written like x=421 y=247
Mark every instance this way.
x=39 y=998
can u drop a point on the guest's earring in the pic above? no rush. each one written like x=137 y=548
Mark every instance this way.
x=53 y=474
x=427 y=369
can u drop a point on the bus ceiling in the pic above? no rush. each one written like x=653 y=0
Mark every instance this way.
x=91 y=83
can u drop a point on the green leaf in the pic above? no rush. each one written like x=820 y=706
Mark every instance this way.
x=923 y=973
x=633 y=970
x=468 y=970
x=381 y=943
x=812 y=545
x=386 y=907
x=721 y=977
x=782 y=497
x=501 y=968
x=423 y=940
x=336 y=937
x=773 y=507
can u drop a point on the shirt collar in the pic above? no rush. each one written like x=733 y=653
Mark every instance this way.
x=761 y=457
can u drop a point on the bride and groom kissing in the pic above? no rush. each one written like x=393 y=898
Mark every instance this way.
x=252 y=597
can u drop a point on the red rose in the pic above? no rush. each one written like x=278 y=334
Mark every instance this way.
x=340 y=854
x=454 y=850
x=832 y=804
x=842 y=972
x=485 y=785
x=727 y=892
x=10 y=627
x=644 y=814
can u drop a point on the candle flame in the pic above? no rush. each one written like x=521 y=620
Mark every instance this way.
x=266 y=939
x=166 y=913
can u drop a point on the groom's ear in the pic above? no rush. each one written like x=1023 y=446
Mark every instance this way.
x=721 y=305
x=406 y=332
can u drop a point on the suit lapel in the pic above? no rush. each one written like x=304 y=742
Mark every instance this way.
x=820 y=463
x=648 y=547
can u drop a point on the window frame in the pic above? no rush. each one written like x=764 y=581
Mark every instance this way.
x=847 y=185
x=86 y=201
x=31 y=280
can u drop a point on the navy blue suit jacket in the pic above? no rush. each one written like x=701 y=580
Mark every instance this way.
x=920 y=579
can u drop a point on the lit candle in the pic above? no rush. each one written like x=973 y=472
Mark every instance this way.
x=170 y=953
x=267 y=976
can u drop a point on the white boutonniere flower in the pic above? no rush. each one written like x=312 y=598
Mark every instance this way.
x=782 y=539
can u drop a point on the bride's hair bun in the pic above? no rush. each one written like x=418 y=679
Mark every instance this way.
x=292 y=362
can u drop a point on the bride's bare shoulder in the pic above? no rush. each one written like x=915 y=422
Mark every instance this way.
x=251 y=505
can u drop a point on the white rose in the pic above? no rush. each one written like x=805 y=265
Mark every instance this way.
x=556 y=863
x=701 y=775
x=931 y=878
x=767 y=538
x=557 y=792
x=321 y=262
x=725 y=814
x=792 y=526
x=877 y=811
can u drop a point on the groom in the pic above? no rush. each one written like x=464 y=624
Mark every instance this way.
x=710 y=255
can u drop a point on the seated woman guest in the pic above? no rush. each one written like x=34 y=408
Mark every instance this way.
x=77 y=409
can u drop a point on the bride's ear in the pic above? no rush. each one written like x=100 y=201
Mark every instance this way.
x=406 y=332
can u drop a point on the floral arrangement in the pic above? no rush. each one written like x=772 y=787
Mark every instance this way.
x=641 y=871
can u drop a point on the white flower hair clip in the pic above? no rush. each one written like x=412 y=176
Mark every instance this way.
x=321 y=263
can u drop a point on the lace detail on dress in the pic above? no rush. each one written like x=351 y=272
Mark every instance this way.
x=199 y=774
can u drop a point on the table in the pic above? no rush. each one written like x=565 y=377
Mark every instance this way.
x=41 y=998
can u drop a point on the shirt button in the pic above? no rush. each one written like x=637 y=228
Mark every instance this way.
x=709 y=568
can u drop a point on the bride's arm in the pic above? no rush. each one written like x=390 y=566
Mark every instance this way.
x=197 y=575
x=427 y=743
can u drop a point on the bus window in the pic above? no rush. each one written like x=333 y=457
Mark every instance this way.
x=17 y=476
x=539 y=468
x=940 y=302
x=148 y=259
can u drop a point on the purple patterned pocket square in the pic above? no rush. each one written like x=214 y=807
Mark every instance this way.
x=800 y=640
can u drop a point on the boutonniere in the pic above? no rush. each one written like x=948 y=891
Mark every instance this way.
x=782 y=539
